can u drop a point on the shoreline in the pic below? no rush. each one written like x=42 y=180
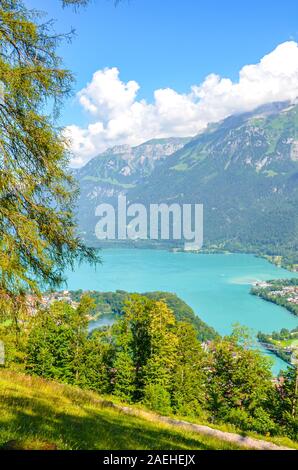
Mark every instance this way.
x=266 y=341
x=276 y=260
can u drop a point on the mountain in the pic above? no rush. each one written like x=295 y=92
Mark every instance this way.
x=244 y=170
x=116 y=171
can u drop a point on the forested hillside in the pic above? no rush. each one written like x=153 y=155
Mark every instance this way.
x=153 y=357
x=243 y=169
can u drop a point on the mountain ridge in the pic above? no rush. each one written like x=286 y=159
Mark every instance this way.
x=116 y=171
x=244 y=170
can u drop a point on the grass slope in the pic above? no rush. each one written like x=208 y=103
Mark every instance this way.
x=35 y=414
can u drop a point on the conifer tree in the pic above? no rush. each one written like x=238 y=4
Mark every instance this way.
x=163 y=346
x=189 y=378
x=124 y=382
x=137 y=311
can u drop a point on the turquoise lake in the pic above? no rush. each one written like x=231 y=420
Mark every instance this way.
x=216 y=286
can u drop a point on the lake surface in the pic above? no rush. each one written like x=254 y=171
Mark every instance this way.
x=216 y=286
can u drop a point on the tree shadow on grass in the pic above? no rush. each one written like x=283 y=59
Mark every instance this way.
x=100 y=428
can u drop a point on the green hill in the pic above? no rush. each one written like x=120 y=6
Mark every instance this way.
x=36 y=414
x=43 y=415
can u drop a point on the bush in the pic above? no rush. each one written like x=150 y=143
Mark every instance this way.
x=184 y=407
x=240 y=418
x=291 y=427
x=157 y=398
x=262 y=422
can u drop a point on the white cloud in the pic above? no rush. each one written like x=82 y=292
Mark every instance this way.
x=118 y=117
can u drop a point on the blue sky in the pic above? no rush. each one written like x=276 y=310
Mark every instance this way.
x=168 y=43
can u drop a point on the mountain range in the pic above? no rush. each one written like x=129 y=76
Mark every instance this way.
x=244 y=170
x=116 y=172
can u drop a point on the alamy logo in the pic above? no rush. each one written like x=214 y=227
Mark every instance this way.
x=183 y=222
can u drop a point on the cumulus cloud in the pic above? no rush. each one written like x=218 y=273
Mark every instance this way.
x=117 y=116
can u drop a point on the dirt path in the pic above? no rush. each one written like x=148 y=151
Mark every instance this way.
x=246 y=442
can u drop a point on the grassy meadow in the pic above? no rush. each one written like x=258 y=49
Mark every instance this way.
x=39 y=414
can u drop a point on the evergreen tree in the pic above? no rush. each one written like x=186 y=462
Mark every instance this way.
x=124 y=382
x=137 y=312
x=189 y=379
x=59 y=347
x=55 y=344
x=163 y=346
x=94 y=366
x=145 y=345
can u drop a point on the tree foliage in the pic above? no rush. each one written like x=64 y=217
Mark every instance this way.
x=189 y=375
x=59 y=348
x=149 y=357
x=240 y=376
x=38 y=236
